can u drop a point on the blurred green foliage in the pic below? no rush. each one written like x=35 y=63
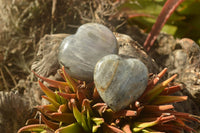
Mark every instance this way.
x=184 y=22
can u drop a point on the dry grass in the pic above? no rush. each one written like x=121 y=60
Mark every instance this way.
x=25 y=22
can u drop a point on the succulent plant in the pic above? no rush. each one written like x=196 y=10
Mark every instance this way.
x=80 y=52
x=76 y=107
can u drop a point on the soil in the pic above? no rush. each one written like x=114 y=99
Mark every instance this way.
x=31 y=44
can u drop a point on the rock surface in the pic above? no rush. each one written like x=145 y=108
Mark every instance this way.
x=46 y=62
x=182 y=57
x=130 y=48
x=179 y=56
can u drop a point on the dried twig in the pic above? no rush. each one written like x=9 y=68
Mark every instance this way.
x=98 y=10
x=4 y=80
x=10 y=74
x=54 y=2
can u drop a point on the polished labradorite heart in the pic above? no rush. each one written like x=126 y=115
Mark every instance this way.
x=120 y=81
x=80 y=52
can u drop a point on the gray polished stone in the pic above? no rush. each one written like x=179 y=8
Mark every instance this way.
x=120 y=81
x=80 y=52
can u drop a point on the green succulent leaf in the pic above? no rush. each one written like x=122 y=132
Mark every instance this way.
x=89 y=122
x=47 y=108
x=138 y=126
x=50 y=124
x=80 y=117
x=34 y=128
x=171 y=90
x=86 y=106
x=95 y=128
x=77 y=113
x=72 y=128
x=84 y=123
x=52 y=101
x=60 y=99
x=71 y=82
x=53 y=83
x=168 y=99
x=71 y=111
x=63 y=108
x=47 y=91
x=98 y=121
x=148 y=130
x=67 y=95
x=167 y=117
x=152 y=83
x=158 y=89
x=87 y=110
x=67 y=118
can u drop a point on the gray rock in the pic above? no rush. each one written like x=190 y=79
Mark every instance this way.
x=80 y=52
x=120 y=81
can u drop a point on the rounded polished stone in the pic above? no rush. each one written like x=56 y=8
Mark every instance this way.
x=120 y=81
x=80 y=52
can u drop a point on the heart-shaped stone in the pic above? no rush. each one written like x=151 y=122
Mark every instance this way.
x=120 y=81
x=80 y=52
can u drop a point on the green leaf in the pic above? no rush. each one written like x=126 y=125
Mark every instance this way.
x=81 y=116
x=151 y=84
x=67 y=118
x=171 y=90
x=168 y=99
x=84 y=123
x=47 y=91
x=77 y=113
x=72 y=128
x=47 y=108
x=98 y=121
x=67 y=95
x=60 y=99
x=34 y=128
x=63 y=108
x=138 y=126
x=89 y=122
x=52 y=101
x=52 y=125
x=95 y=128
x=143 y=6
x=86 y=108
x=72 y=83
x=170 y=29
x=158 y=89
x=148 y=130
x=53 y=83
